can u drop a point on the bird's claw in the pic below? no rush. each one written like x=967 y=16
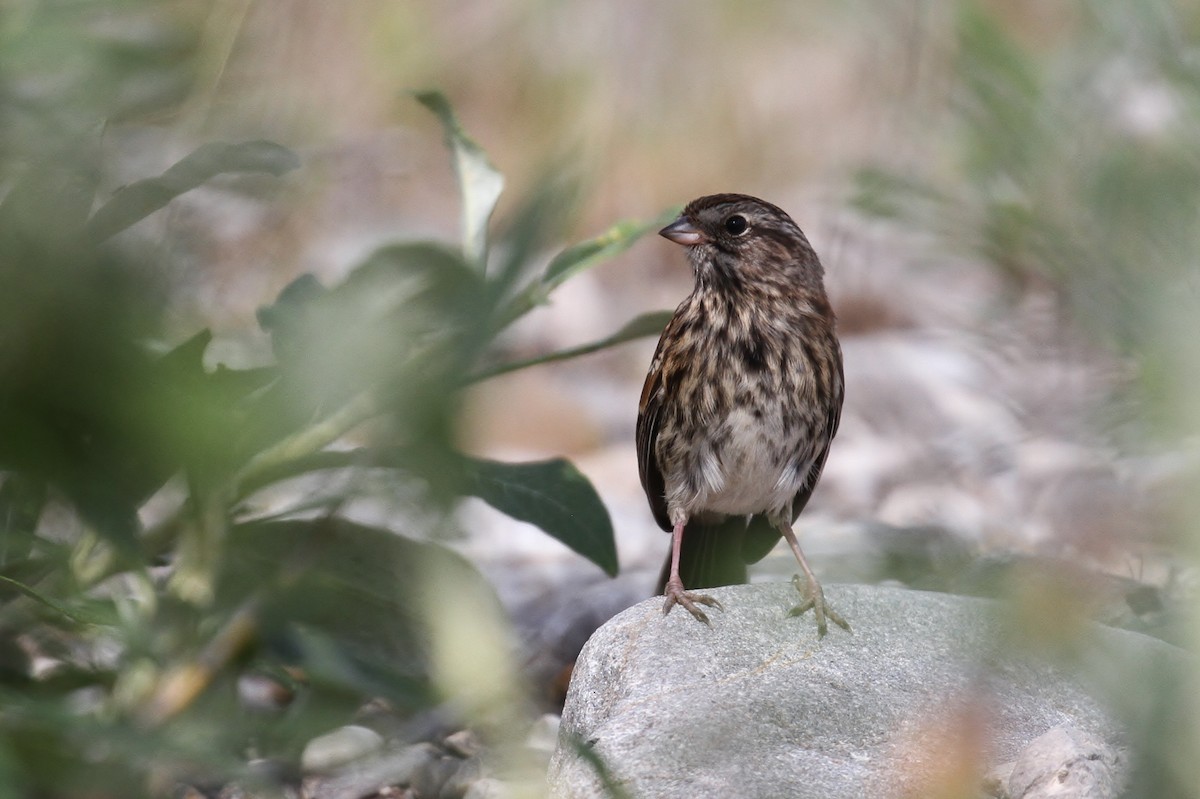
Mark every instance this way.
x=814 y=600
x=676 y=595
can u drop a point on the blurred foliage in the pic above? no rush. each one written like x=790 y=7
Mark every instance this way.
x=66 y=66
x=123 y=631
x=1077 y=170
x=1076 y=174
x=138 y=579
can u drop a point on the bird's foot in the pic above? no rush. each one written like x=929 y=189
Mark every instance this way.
x=813 y=598
x=676 y=595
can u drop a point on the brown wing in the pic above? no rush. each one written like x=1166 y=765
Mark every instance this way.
x=649 y=410
x=814 y=473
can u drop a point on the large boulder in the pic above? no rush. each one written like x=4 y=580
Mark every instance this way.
x=928 y=693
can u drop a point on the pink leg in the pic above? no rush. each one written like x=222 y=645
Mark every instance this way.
x=675 y=593
x=811 y=592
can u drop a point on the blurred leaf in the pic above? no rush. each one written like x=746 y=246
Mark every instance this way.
x=330 y=666
x=330 y=583
x=1001 y=100
x=882 y=193
x=393 y=340
x=552 y=495
x=472 y=659
x=576 y=259
x=613 y=241
x=45 y=209
x=647 y=324
x=138 y=200
x=534 y=227
x=21 y=503
x=479 y=183
x=48 y=732
x=201 y=414
x=403 y=304
x=86 y=612
x=14 y=774
x=302 y=451
x=66 y=66
x=34 y=595
x=288 y=306
x=384 y=457
x=73 y=372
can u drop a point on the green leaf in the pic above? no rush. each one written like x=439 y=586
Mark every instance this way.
x=534 y=227
x=647 y=324
x=553 y=495
x=138 y=200
x=479 y=182
x=578 y=258
x=330 y=585
x=399 y=295
x=331 y=665
x=50 y=201
x=87 y=612
x=882 y=193
x=550 y=494
x=1008 y=131
x=198 y=415
x=393 y=338
x=613 y=241
x=21 y=502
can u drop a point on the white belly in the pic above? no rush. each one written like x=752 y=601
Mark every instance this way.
x=752 y=471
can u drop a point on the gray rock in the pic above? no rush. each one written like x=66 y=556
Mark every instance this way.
x=469 y=772
x=488 y=788
x=1067 y=763
x=757 y=706
x=362 y=779
x=464 y=743
x=543 y=735
x=430 y=780
x=343 y=745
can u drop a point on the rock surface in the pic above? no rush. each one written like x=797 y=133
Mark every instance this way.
x=924 y=691
x=343 y=745
x=1064 y=763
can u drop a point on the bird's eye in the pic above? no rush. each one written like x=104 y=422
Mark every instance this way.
x=736 y=224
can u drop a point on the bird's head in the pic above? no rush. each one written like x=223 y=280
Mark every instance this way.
x=735 y=241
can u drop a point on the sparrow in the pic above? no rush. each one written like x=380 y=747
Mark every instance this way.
x=741 y=402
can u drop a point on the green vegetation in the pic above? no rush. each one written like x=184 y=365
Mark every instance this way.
x=1075 y=170
x=173 y=519
x=95 y=420
x=1075 y=174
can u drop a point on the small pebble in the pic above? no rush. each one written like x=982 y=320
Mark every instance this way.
x=187 y=792
x=342 y=746
x=404 y=767
x=233 y=791
x=429 y=779
x=543 y=735
x=488 y=788
x=263 y=693
x=469 y=772
x=463 y=743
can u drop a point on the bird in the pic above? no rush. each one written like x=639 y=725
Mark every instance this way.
x=741 y=402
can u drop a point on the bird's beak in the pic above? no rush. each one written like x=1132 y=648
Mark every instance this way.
x=682 y=231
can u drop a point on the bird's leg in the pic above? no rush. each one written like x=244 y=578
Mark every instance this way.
x=811 y=593
x=675 y=593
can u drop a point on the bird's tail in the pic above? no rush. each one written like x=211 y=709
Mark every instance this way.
x=715 y=553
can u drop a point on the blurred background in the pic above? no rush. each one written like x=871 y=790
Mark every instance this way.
x=1005 y=195
x=1002 y=194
